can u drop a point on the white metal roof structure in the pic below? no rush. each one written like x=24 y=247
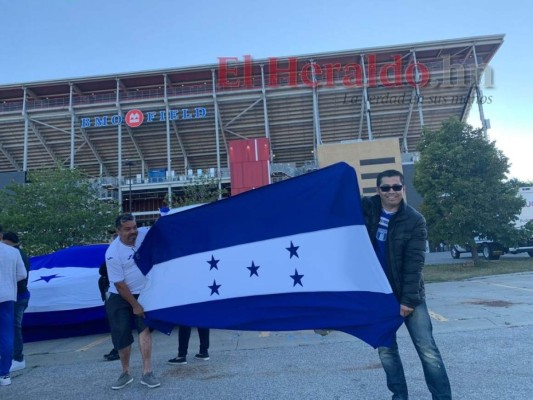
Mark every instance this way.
x=190 y=113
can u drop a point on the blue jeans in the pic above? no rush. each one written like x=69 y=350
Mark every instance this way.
x=421 y=331
x=20 y=307
x=6 y=336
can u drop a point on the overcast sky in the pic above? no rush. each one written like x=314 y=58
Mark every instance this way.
x=58 y=39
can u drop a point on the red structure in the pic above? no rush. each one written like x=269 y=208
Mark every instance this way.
x=249 y=164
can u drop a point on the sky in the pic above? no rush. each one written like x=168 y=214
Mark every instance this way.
x=59 y=39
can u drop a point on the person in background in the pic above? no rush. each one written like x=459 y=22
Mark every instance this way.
x=398 y=233
x=183 y=345
x=12 y=270
x=23 y=298
x=103 y=286
x=123 y=309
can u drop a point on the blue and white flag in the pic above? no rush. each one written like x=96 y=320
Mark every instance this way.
x=65 y=299
x=293 y=255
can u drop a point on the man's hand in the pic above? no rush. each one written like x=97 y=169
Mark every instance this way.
x=138 y=310
x=405 y=311
x=124 y=291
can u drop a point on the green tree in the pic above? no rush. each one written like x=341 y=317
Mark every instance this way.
x=461 y=177
x=56 y=208
x=203 y=190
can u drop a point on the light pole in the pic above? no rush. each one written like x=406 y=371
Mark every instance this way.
x=129 y=163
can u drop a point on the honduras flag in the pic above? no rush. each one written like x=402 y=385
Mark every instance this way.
x=293 y=255
x=65 y=299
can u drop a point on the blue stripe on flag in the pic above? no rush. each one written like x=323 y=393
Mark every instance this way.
x=356 y=313
x=89 y=256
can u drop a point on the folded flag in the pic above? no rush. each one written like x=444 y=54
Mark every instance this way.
x=65 y=300
x=293 y=255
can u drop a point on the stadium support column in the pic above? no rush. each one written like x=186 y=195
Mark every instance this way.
x=217 y=139
x=169 y=161
x=265 y=110
x=26 y=129
x=316 y=115
x=419 y=99
x=367 y=102
x=479 y=95
x=418 y=95
x=72 y=120
x=119 y=147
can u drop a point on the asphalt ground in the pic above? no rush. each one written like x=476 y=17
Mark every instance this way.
x=483 y=326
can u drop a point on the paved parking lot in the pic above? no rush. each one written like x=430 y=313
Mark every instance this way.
x=483 y=326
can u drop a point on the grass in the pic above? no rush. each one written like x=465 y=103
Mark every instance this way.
x=457 y=272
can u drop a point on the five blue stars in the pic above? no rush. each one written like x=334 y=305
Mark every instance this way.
x=213 y=264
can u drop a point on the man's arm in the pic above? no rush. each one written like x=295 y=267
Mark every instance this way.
x=414 y=257
x=21 y=268
x=126 y=294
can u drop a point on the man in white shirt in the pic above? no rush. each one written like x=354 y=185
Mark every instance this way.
x=12 y=270
x=126 y=282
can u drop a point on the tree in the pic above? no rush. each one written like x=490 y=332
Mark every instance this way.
x=203 y=190
x=56 y=208
x=461 y=177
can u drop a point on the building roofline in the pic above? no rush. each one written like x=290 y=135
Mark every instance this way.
x=419 y=46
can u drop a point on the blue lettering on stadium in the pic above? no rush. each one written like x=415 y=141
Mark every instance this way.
x=150 y=116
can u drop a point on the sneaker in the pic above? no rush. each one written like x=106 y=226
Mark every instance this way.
x=5 y=380
x=202 y=356
x=177 y=361
x=150 y=380
x=123 y=380
x=17 y=365
x=112 y=356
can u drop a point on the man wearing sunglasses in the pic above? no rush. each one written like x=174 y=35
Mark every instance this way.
x=398 y=234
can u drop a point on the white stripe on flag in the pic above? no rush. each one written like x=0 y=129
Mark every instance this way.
x=333 y=260
x=63 y=288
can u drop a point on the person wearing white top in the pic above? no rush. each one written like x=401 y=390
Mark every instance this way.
x=12 y=270
x=123 y=309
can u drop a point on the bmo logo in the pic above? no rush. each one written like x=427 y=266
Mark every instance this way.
x=134 y=118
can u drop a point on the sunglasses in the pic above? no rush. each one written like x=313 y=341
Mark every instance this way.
x=387 y=188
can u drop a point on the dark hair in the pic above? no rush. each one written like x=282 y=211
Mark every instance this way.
x=388 y=174
x=12 y=237
x=123 y=218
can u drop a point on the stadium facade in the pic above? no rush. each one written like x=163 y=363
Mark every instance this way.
x=143 y=135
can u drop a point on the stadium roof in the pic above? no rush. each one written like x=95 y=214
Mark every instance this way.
x=363 y=94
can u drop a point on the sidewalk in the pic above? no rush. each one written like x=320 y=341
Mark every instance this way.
x=483 y=327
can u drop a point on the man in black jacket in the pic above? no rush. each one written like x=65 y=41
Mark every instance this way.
x=398 y=234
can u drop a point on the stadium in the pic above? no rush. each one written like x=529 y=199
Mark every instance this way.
x=144 y=135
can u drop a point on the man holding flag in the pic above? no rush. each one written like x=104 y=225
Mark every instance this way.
x=122 y=307
x=398 y=233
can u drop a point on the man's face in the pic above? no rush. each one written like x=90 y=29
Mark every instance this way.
x=128 y=233
x=391 y=199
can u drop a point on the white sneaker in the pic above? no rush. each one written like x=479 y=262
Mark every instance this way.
x=5 y=380
x=17 y=365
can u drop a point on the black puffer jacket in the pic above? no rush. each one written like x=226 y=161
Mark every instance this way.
x=406 y=245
